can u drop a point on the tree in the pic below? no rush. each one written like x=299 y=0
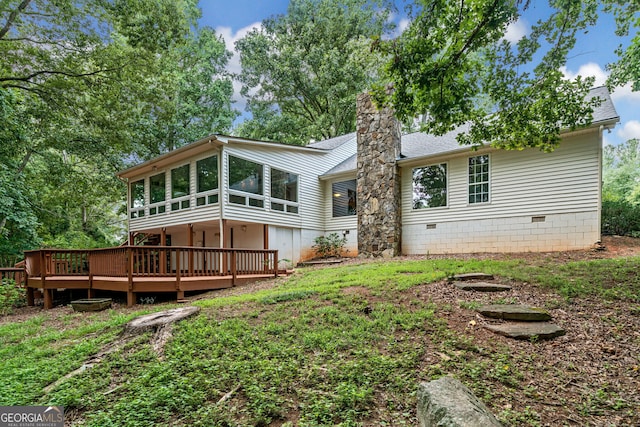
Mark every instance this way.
x=621 y=180
x=301 y=71
x=86 y=87
x=454 y=65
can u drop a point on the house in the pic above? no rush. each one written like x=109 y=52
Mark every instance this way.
x=386 y=193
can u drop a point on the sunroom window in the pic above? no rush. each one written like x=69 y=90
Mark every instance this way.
x=157 y=194
x=344 y=198
x=207 y=181
x=430 y=186
x=137 y=199
x=245 y=182
x=180 y=188
x=284 y=191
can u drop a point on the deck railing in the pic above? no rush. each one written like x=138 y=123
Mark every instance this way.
x=15 y=274
x=151 y=261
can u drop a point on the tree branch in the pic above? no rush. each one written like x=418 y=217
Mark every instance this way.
x=12 y=17
x=63 y=73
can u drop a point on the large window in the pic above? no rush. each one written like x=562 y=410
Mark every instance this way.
x=479 y=179
x=245 y=176
x=207 y=185
x=157 y=194
x=430 y=186
x=180 y=188
x=137 y=199
x=344 y=198
x=284 y=187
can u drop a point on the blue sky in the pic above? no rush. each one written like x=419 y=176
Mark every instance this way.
x=233 y=19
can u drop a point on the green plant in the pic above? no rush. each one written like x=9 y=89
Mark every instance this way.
x=329 y=245
x=11 y=296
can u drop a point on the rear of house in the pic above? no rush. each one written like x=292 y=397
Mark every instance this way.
x=232 y=192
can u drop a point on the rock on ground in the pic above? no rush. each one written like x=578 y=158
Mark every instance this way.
x=447 y=402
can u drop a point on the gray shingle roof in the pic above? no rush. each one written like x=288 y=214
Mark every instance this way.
x=420 y=144
x=331 y=143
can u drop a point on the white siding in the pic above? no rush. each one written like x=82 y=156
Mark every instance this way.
x=563 y=185
x=190 y=215
x=307 y=165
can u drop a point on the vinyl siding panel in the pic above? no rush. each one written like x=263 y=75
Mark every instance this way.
x=308 y=166
x=526 y=182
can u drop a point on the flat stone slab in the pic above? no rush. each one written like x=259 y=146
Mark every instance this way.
x=446 y=402
x=473 y=276
x=481 y=286
x=527 y=330
x=514 y=312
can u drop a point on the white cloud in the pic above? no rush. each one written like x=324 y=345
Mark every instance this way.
x=625 y=93
x=587 y=70
x=516 y=30
x=629 y=130
x=234 y=66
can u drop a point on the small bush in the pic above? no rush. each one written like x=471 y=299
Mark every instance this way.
x=11 y=296
x=330 y=245
x=620 y=217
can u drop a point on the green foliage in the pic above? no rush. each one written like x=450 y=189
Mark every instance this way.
x=621 y=218
x=329 y=245
x=337 y=346
x=453 y=66
x=301 y=71
x=86 y=87
x=11 y=296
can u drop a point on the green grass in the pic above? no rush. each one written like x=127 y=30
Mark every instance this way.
x=309 y=347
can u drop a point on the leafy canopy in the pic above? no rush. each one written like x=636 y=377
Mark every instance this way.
x=301 y=71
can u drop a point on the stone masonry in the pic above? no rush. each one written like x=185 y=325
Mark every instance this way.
x=378 y=180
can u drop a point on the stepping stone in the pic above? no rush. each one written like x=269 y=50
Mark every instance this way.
x=473 y=276
x=514 y=312
x=481 y=286
x=527 y=330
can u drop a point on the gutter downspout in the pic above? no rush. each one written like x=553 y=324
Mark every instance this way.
x=600 y=178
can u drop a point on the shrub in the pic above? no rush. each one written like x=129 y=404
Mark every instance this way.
x=11 y=296
x=620 y=217
x=330 y=245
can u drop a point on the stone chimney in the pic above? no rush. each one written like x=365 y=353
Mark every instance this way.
x=378 y=179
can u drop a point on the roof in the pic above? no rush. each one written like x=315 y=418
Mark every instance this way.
x=331 y=143
x=420 y=144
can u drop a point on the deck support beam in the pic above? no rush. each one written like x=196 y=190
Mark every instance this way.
x=131 y=299
x=48 y=298
x=180 y=295
x=30 y=296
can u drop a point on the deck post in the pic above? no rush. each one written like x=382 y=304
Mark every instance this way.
x=131 y=298
x=30 y=296
x=163 y=254
x=275 y=262
x=234 y=270
x=190 y=243
x=48 y=298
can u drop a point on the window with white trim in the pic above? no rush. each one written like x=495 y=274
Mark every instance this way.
x=180 y=188
x=284 y=191
x=430 y=186
x=344 y=198
x=479 y=179
x=157 y=194
x=137 y=199
x=207 y=181
x=245 y=182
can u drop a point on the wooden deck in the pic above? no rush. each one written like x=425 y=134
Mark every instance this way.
x=138 y=269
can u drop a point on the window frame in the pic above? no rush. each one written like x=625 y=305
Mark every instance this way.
x=335 y=195
x=414 y=206
x=209 y=196
x=158 y=207
x=481 y=183
x=137 y=211
x=183 y=201
x=288 y=206
x=249 y=199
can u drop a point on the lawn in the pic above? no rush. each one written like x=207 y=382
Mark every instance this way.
x=345 y=345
